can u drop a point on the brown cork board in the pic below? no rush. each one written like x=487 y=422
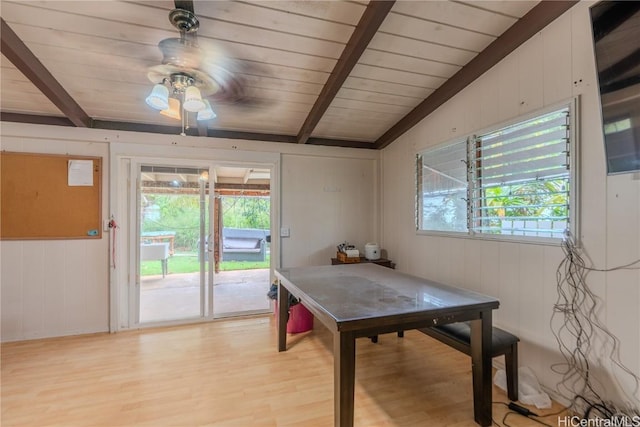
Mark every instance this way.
x=38 y=202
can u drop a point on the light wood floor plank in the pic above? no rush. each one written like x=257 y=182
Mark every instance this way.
x=229 y=374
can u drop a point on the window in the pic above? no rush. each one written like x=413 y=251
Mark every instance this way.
x=442 y=178
x=516 y=180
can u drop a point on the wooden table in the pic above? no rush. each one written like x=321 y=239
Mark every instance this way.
x=362 y=300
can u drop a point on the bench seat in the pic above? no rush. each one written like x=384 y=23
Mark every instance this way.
x=458 y=336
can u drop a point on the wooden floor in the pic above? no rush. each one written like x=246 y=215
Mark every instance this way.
x=228 y=373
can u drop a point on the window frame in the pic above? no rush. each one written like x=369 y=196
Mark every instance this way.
x=419 y=207
x=573 y=105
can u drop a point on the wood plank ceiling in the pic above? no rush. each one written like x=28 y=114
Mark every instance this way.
x=339 y=73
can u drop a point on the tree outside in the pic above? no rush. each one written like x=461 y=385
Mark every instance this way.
x=180 y=213
x=174 y=212
x=533 y=200
x=246 y=212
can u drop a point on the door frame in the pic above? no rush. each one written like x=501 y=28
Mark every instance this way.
x=122 y=157
x=206 y=280
x=274 y=259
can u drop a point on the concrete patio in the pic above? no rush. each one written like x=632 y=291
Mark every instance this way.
x=176 y=296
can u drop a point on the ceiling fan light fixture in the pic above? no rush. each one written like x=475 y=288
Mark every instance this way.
x=173 y=111
x=207 y=113
x=193 y=100
x=159 y=97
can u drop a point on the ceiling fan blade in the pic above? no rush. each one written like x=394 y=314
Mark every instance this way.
x=220 y=78
x=180 y=53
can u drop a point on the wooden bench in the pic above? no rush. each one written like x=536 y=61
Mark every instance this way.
x=458 y=336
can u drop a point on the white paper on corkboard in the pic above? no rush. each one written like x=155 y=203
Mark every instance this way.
x=80 y=173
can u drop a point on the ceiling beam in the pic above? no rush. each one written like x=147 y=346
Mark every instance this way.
x=340 y=143
x=228 y=134
x=143 y=127
x=367 y=27
x=191 y=131
x=526 y=27
x=175 y=130
x=24 y=60
x=34 y=119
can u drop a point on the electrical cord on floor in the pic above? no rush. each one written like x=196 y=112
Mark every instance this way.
x=504 y=419
x=515 y=409
x=497 y=403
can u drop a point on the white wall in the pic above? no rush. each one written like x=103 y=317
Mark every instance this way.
x=326 y=200
x=553 y=66
x=55 y=288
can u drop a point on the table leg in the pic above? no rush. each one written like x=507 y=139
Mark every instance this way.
x=344 y=362
x=283 y=316
x=481 y=331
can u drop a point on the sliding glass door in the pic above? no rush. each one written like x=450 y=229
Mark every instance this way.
x=174 y=216
x=201 y=241
x=243 y=236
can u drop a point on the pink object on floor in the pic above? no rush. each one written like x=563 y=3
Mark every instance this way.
x=300 y=319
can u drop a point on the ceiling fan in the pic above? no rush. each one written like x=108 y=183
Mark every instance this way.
x=194 y=76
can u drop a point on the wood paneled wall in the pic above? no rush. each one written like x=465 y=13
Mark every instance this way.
x=328 y=194
x=553 y=66
x=325 y=201
x=53 y=288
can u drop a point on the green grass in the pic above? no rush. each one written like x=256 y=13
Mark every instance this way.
x=189 y=264
x=243 y=265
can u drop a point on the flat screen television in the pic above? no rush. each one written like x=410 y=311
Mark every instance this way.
x=616 y=41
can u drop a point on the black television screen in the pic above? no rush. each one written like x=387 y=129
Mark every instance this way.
x=616 y=40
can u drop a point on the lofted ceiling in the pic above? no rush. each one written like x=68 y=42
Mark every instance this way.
x=344 y=73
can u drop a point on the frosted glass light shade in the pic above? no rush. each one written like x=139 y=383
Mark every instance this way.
x=174 y=109
x=207 y=113
x=192 y=100
x=158 y=98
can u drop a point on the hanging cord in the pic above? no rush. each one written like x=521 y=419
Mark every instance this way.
x=113 y=227
x=576 y=304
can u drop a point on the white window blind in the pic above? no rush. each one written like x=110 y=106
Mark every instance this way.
x=442 y=188
x=520 y=178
